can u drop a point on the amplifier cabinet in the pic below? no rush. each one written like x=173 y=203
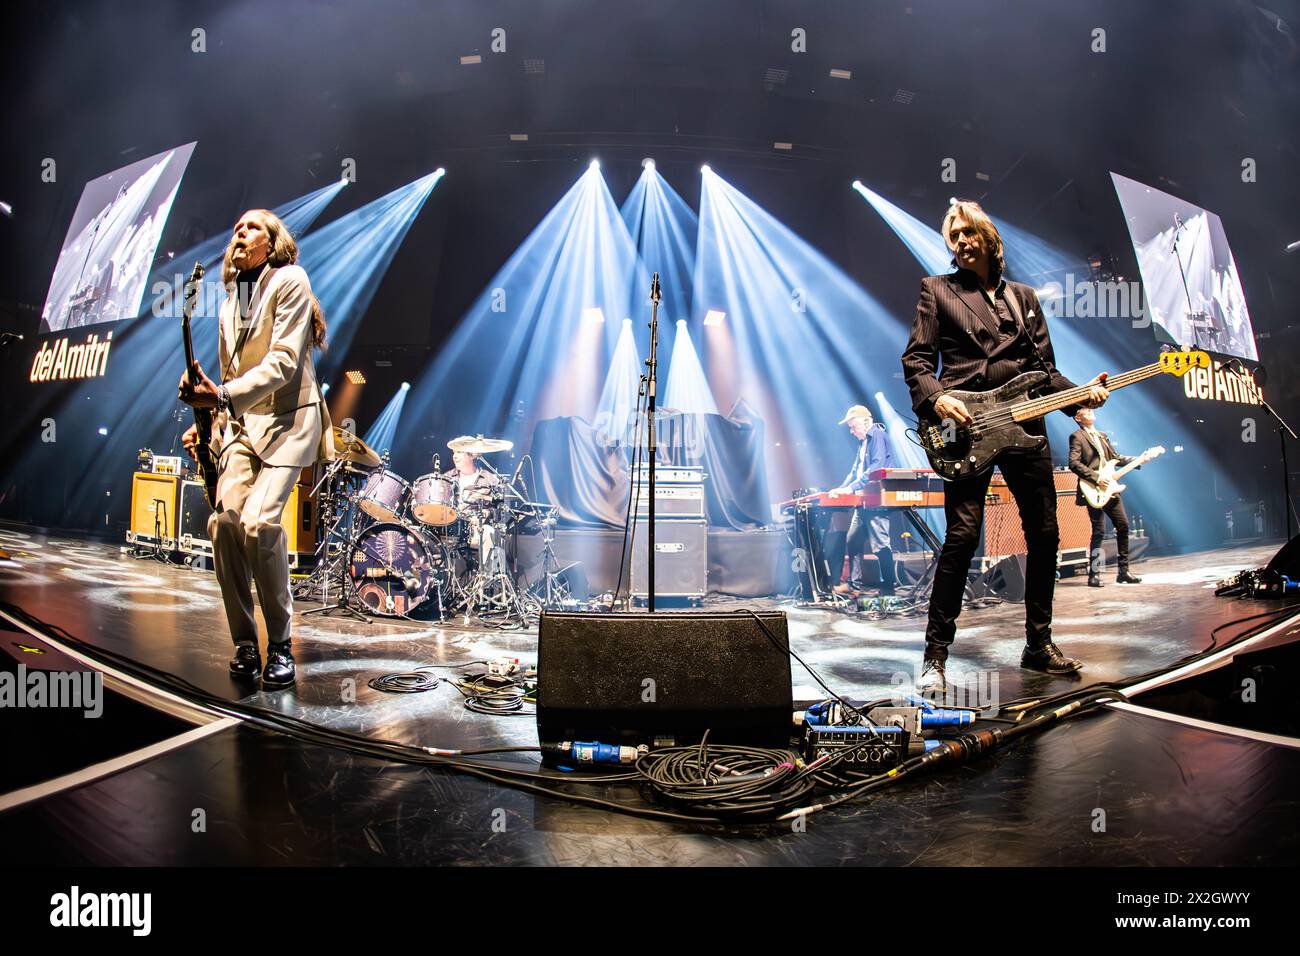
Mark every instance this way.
x=681 y=559
x=154 y=509
x=1003 y=534
x=298 y=520
x=672 y=501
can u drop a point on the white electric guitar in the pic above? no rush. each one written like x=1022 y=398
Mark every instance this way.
x=1098 y=498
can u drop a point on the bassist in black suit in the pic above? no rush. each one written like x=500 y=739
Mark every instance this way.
x=1089 y=450
x=983 y=331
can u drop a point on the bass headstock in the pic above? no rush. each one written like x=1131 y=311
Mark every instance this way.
x=1180 y=363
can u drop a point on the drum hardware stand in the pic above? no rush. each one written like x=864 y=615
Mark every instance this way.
x=551 y=589
x=492 y=588
x=327 y=566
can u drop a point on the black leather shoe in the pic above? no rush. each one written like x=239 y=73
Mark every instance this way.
x=933 y=681
x=1094 y=581
x=1126 y=578
x=246 y=662
x=1049 y=660
x=279 y=667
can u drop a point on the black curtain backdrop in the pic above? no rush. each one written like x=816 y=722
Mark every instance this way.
x=587 y=474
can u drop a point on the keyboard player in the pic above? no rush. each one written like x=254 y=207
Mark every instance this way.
x=874 y=451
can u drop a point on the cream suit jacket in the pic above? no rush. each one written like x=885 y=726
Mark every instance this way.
x=275 y=402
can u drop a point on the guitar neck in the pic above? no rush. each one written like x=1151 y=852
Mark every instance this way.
x=1038 y=407
x=1137 y=462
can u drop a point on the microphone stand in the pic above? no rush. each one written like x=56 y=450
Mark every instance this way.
x=653 y=365
x=1283 y=429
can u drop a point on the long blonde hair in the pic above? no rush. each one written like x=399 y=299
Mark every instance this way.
x=974 y=214
x=284 y=251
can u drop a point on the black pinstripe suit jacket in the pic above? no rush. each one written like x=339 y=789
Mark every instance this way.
x=955 y=331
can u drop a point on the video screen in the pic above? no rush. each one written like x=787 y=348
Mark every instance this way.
x=104 y=266
x=1176 y=241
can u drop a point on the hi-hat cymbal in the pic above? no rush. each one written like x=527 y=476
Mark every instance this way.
x=349 y=446
x=478 y=445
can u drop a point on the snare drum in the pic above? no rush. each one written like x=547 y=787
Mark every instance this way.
x=433 y=500
x=383 y=495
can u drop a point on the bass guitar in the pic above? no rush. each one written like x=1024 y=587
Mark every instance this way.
x=202 y=416
x=960 y=451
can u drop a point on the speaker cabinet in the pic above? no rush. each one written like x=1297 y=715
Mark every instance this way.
x=644 y=678
x=681 y=559
x=154 y=501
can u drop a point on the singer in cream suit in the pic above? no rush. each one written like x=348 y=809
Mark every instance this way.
x=271 y=423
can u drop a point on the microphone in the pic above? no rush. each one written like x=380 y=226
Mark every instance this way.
x=654 y=288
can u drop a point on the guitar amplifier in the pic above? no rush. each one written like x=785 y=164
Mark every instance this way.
x=671 y=501
x=1003 y=534
x=298 y=520
x=681 y=559
x=154 y=508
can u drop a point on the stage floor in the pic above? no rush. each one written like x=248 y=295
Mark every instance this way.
x=1173 y=794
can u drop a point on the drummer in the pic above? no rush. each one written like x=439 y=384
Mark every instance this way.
x=472 y=482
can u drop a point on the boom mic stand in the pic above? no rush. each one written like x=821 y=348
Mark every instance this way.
x=652 y=364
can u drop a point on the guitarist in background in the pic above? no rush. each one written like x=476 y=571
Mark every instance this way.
x=271 y=422
x=985 y=331
x=1089 y=451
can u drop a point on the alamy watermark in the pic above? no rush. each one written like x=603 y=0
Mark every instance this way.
x=76 y=690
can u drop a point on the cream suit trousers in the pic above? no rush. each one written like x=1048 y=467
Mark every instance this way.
x=248 y=542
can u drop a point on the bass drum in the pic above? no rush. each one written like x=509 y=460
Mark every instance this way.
x=394 y=570
x=433 y=500
x=383 y=495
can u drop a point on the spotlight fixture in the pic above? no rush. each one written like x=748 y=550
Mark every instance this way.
x=518 y=137
x=440 y=172
x=714 y=317
x=325 y=388
x=103 y=430
x=593 y=314
x=841 y=74
x=406 y=386
x=7 y=209
x=705 y=168
x=647 y=163
x=356 y=377
x=786 y=146
x=857 y=184
x=594 y=164
x=471 y=59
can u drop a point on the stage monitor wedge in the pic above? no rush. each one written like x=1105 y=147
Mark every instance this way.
x=635 y=679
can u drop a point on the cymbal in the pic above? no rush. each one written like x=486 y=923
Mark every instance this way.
x=349 y=446
x=478 y=445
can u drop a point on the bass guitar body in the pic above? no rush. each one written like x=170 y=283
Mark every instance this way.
x=960 y=451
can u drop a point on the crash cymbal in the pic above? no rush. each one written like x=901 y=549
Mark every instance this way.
x=478 y=445
x=349 y=446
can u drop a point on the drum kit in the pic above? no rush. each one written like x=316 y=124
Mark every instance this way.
x=433 y=548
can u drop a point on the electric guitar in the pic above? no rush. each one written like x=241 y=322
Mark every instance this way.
x=1098 y=498
x=202 y=416
x=960 y=451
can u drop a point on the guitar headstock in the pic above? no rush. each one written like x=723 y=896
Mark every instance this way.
x=192 y=285
x=1180 y=363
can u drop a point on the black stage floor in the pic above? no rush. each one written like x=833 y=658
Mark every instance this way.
x=1172 y=794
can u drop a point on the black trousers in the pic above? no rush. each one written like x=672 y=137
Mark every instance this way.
x=854 y=545
x=1119 y=518
x=1029 y=479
